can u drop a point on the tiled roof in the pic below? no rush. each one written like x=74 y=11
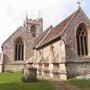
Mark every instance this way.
x=57 y=30
x=40 y=37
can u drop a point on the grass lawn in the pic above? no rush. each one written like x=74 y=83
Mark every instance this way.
x=81 y=84
x=12 y=81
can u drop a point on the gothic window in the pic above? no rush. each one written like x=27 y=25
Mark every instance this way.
x=33 y=30
x=19 y=50
x=81 y=36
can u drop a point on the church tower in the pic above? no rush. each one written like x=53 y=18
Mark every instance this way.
x=19 y=46
x=34 y=27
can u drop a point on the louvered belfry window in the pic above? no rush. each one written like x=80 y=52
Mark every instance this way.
x=33 y=30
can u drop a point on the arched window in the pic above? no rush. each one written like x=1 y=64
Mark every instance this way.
x=81 y=36
x=33 y=30
x=19 y=50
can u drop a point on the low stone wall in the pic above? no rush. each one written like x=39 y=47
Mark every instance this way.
x=76 y=69
x=57 y=71
x=13 y=67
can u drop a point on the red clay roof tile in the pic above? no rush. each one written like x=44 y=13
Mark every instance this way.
x=57 y=30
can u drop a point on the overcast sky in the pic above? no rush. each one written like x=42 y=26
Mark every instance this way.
x=13 y=12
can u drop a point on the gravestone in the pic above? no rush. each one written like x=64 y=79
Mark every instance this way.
x=29 y=73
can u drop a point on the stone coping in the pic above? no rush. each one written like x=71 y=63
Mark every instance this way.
x=78 y=62
x=58 y=72
x=15 y=64
x=84 y=59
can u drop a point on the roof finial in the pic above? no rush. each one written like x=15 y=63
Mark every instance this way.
x=26 y=17
x=78 y=3
x=39 y=14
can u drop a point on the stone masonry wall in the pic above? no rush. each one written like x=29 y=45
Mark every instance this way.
x=70 y=41
x=26 y=36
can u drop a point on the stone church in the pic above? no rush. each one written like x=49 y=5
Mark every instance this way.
x=19 y=46
x=59 y=52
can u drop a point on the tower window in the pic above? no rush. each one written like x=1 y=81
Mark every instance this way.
x=33 y=30
x=19 y=50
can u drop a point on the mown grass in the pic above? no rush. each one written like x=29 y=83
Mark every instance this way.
x=12 y=81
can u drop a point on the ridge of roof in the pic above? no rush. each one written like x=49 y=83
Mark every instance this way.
x=60 y=28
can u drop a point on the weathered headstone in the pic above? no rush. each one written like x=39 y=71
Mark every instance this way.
x=29 y=73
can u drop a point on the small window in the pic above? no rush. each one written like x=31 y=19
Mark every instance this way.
x=19 y=50
x=33 y=30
